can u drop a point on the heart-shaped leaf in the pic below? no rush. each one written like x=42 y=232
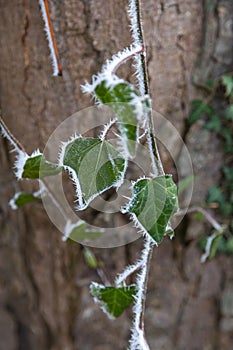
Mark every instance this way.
x=152 y=205
x=125 y=101
x=79 y=232
x=37 y=167
x=22 y=198
x=95 y=166
x=113 y=300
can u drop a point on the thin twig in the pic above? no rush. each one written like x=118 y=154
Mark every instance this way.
x=208 y=217
x=8 y=134
x=129 y=53
x=57 y=67
x=129 y=270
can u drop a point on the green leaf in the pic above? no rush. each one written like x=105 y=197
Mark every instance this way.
x=90 y=258
x=198 y=109
x=210 y=84
x=185 y=183
x=198 y=216
x=154 y=202
x=214 y=123
x=37 y=167
x=113 y=300
x=227 y=81
x=22 y=198
x=214 y=246
x=228 y=173
x=215 y=194
x=229 y=112
x=95 y=166
x=227 y=134
x=221 y=245
x=125 y=101
x=80 y=233
x=211 y=246
x=226 y=246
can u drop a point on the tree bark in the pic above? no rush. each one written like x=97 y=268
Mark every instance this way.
x=44 y=296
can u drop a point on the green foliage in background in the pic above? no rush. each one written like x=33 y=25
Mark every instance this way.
x=219 y=121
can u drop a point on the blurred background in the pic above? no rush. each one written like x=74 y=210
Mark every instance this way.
x=44 y=282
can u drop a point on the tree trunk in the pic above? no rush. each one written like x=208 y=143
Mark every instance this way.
x=44 y=296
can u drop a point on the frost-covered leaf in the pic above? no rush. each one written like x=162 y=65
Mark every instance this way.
x=79 y=232
x=22 y=198
x=211 y=246
x=125 y=101
x=153 y=203
x=37 y=166
x=95 y=166
x=113 y=300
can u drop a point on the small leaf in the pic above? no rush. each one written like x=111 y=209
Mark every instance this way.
x=210 y=84
x=229 y=112
x=95 y=166
x=211 y=246
x=198 y=109
x=185 y=183
x=228 y=173
x=125 y=101
x=227 y=134
x=113 y=300
x=154 y=202
x=214 y=123
x=222 y=245
x=227 y=81
x=37 y=167
x=215 y=194
x=227 y=246
x=90 y=258
x=79 y=232
x=22 y=198
x=198 y=216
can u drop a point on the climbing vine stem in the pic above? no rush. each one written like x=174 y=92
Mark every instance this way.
x=138 y=339
x=143 y=81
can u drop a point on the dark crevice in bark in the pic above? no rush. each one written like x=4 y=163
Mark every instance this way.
x=26 y=250
x=22 y=338
x=26 y=55
x=180 y=245
x=176 y=330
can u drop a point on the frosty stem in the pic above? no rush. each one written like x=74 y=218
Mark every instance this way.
x=13 y=140
x=138 y=340
x=142 y=75
x=148 y=256
x=57 y=67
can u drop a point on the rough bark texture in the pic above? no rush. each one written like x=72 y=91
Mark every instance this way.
x=44 y=297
